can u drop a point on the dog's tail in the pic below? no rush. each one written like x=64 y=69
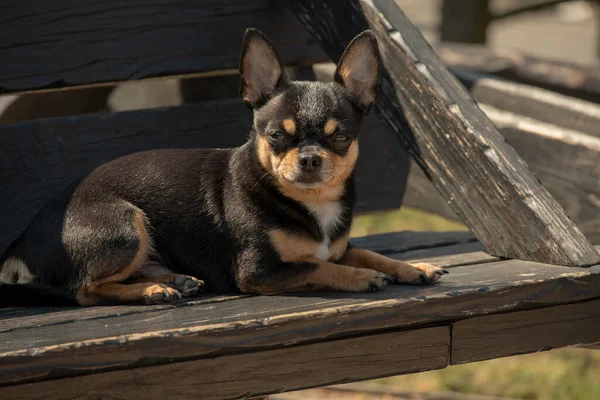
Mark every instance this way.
x=34 y=295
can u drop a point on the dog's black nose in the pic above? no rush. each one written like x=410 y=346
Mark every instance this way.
x=309 y=162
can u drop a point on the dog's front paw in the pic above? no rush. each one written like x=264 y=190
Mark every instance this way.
x=368 y=280
x=417 y=274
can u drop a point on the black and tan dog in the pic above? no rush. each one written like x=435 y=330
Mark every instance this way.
x=271 y=216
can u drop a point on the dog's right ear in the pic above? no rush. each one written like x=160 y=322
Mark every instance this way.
x=261 y=69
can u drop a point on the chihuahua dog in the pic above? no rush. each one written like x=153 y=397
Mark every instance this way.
x=272 y=216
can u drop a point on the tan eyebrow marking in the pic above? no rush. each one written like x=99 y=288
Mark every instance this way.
x=330 y=126
x=289 y=126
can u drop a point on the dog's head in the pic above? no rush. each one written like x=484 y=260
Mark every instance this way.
x=306 y=133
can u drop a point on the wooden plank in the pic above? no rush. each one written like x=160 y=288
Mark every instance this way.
x=39 y=158
x=448 y=256
x=564 y=160
x=465 y=21
x=476 y=171
x=265 y=322
x=567 y=78
x=400 y=242
x=532 y=102
x=20 y=318
x=503 y=335
x=258 y=373
x=56 y=43
x=445 y=248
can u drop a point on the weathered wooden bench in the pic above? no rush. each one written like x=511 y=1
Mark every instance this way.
x=525 y=280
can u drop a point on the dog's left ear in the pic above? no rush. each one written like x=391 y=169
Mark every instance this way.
x=358 y=69
x=261 y=69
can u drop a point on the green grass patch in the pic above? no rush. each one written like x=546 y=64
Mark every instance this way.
x=404 y=219
x=564 y=374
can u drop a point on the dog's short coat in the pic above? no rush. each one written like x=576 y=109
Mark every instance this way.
x=271 y=216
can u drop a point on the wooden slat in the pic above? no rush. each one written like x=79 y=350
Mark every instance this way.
x=39 y=158
x=401 y=242
x=483 y=178
x=258 y=373
x=503 y=335
x=565 y=161
x=19 y=318
x=532 y=102
x=447 y=249
x=63 y=43
x=568 y=78
x=265 y=322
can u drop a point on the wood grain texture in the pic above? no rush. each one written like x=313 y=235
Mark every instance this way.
x=64 y=43
x=564 y=160
x=259 y=373
x=476 y=171
x=261 y=323
x=19 y=318
x=39 y=158
x=503 y=335
x=567 y=78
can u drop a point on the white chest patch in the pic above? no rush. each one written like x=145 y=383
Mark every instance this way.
x=328 y=216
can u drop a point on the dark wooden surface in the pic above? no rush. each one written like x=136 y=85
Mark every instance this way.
x=478 y=174
x=556 y=135
x=63 y=43
x=570 y=79
x=502 y=335
x=42 y=344
x=565 y=161
x=256 y=373
x=39 y=158
x=228 y=346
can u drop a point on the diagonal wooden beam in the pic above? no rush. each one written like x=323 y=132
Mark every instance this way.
x=481 y=177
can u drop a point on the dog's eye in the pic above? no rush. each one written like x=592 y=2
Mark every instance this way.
x=341 y=138
x=276 y=135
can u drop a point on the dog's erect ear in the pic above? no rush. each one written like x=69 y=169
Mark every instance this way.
x=358 y=69
x=261 y=69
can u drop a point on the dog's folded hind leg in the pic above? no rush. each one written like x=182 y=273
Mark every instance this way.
x=135 y=293
x=113 y=288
